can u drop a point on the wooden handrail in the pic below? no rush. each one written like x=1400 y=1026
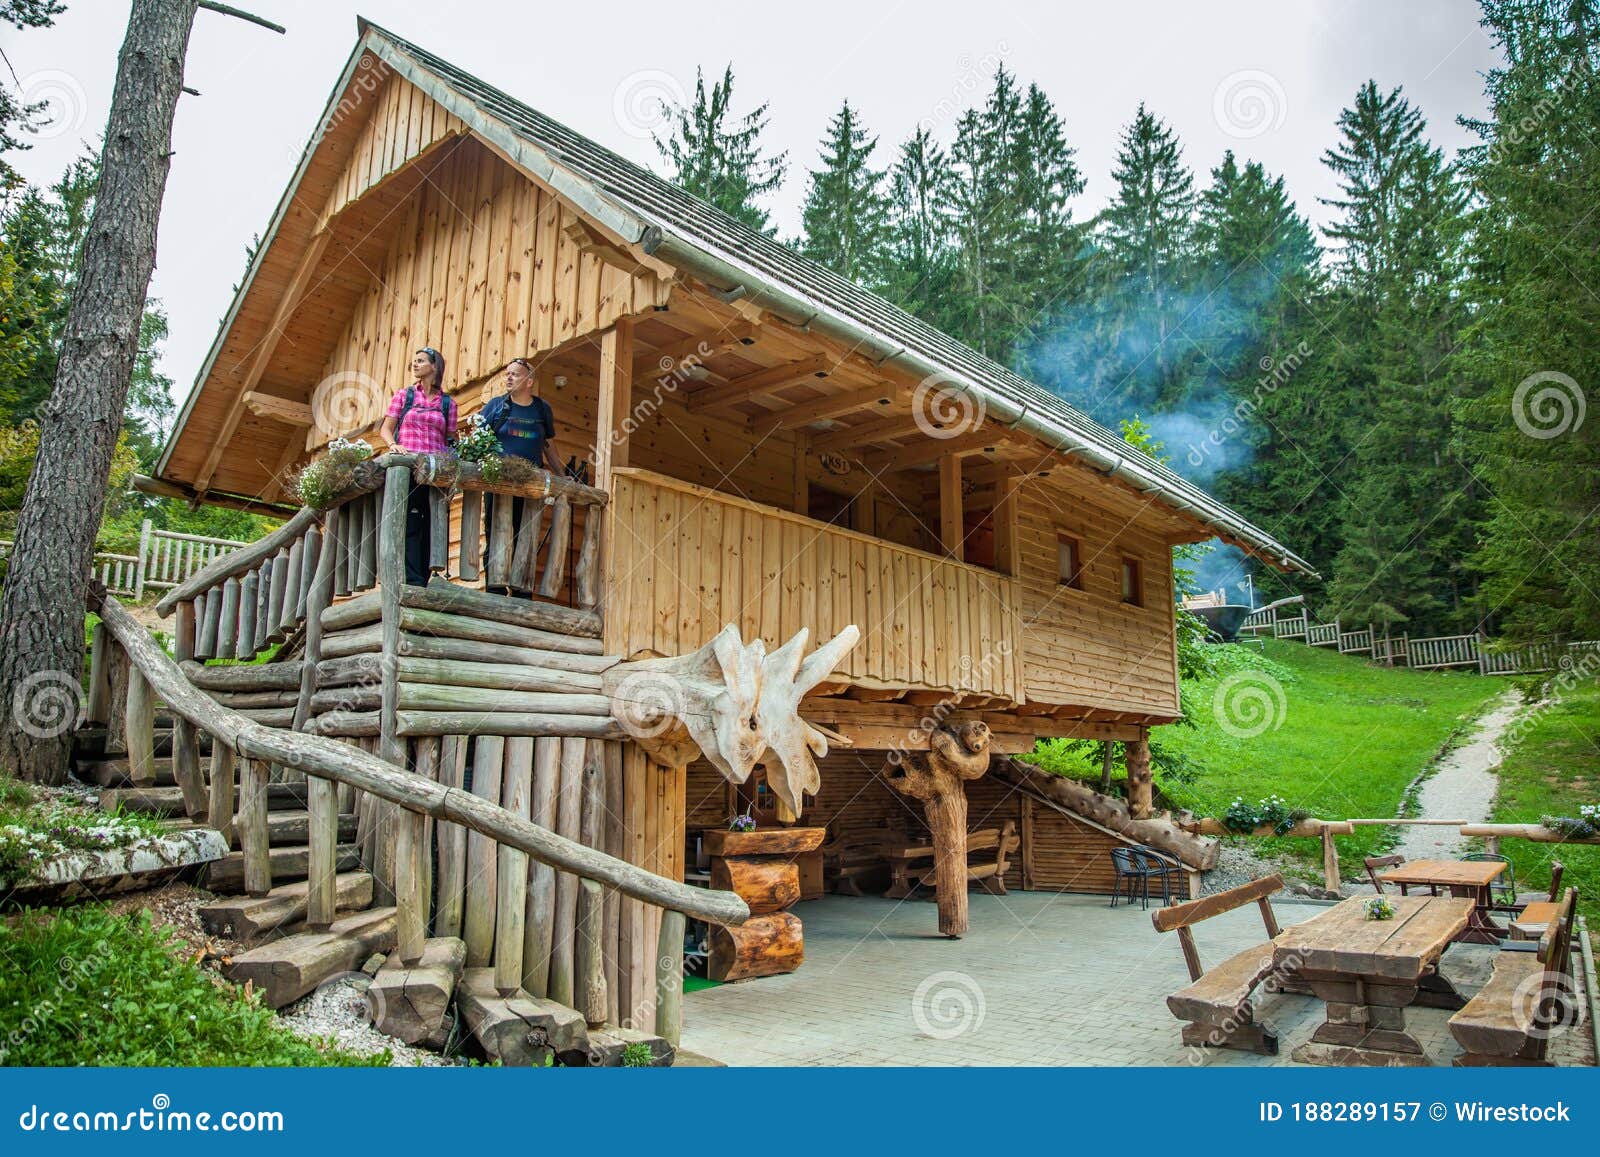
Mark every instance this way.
x=237 y=562
x=330 y=759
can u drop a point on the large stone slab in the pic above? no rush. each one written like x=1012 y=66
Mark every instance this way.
x=147 y=863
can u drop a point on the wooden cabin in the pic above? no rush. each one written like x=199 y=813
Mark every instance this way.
x=771 y=450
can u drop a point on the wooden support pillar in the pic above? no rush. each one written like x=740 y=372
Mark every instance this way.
x=1141 y=790
x=801 y=502
x=185 y=738
x=669 y=979
x=937 y=778
x=952 y=529
x=614 y=408
x=140 y=729
x=1330 y=861
x=1007 y=535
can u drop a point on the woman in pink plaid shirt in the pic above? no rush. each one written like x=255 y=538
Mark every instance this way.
x=421 y=420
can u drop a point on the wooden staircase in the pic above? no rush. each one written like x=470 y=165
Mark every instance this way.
x=285 y=959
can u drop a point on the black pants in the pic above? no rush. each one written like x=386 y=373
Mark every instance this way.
x=419 y=534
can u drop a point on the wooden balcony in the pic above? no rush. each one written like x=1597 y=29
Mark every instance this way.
x=684 y=560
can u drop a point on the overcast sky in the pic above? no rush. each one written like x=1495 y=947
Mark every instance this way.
x=1265 y=78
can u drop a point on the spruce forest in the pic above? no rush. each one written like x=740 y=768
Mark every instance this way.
x=1401 y=394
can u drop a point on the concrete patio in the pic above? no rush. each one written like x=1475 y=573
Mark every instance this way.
x=1042 y=979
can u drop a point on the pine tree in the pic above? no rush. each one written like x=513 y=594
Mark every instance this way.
x=920 y=260
x=1406 y=501
x=718 y=156
x=846 y=212
x=1535 y=338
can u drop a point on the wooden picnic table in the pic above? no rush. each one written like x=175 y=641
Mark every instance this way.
x=1472 y=879
x=1368 y=972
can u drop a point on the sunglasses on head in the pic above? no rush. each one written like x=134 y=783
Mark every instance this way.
x=433 y=354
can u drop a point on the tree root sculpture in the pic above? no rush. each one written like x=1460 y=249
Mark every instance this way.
x=957 y=752
x=734 y=703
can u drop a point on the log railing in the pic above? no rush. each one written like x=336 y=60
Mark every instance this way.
x=684 y=560
x=332 y=768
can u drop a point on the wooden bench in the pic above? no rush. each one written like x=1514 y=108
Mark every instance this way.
x=1529 y=995
x=1532 y=916
x=1217 y=1006
x=988 y=853
x=852 y=852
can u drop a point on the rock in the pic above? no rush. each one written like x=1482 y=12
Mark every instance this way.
x=374 y=962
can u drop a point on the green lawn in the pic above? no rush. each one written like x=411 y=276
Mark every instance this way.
x=1551 y=767
x=84 y=987
x=1333 y=735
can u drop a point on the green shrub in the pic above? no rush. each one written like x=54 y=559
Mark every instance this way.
x=84 y=987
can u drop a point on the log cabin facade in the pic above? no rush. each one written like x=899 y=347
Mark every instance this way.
x=771 y=451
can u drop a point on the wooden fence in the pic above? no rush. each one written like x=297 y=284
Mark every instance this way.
x=118 y=573
x=1434 y=653
x=165 y=559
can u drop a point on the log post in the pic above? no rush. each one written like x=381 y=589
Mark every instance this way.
x=541 y=877
x=388 y=544
x=1330 y=861
x=669 y=978
x=318 y=595
x=956 y=753
x=252 y=827
x=477 y=928
x=511 y=902
x=1141 y=789
x=588 y=956
x=452 y=839
x=220 y=812
x=185 y=739
x=140 y=730
x=952 y=529
x=322 y=805
x=98 y=709
x=569 y=805
x=411 y=901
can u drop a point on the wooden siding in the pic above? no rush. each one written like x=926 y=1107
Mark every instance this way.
x=405 y=123
x=1087 y=647
x=1064 y=854
x=683 y=561
x=482 y=269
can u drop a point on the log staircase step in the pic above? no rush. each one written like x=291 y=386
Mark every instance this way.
x=227 y=874
x=286 y=969
x=112 y=771
x=518 y=1030
x=168 y=801
x=284 y=828
x=409 y=1002
x=249 y=918
x=608 y=1042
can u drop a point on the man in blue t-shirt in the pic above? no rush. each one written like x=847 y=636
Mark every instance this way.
x=523 y=421
x=525 y=428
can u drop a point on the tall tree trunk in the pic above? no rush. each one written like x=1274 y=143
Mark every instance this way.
x=42 y=609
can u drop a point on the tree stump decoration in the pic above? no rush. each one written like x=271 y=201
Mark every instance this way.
x=1141 y=788
x=956 y=753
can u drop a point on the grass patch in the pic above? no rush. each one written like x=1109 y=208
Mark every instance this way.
x=84 y=987
x=1334 y=736
x=38 y=823
x=1552 y=767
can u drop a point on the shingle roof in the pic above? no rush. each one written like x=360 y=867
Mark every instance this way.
x=647 y=196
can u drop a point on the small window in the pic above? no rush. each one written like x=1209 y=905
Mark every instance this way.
x=1069 y=562
x=1132 y=582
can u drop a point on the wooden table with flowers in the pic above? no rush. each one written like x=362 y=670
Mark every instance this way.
x=1369 y=970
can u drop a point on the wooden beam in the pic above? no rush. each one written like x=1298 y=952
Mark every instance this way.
x=863 y=435
x=615 y=406
x=830 y=406
x=952 y=530
x=630 y=261
x=760 y=382
x=693 y=349
x=931 y=450
x=284 y=410
x=293 y=294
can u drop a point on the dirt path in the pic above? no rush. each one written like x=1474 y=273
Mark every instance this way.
x=1463 y=788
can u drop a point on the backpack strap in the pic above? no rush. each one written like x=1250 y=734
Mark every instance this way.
x=411 y=398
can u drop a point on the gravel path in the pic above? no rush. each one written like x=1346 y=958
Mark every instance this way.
x=1463 y=787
